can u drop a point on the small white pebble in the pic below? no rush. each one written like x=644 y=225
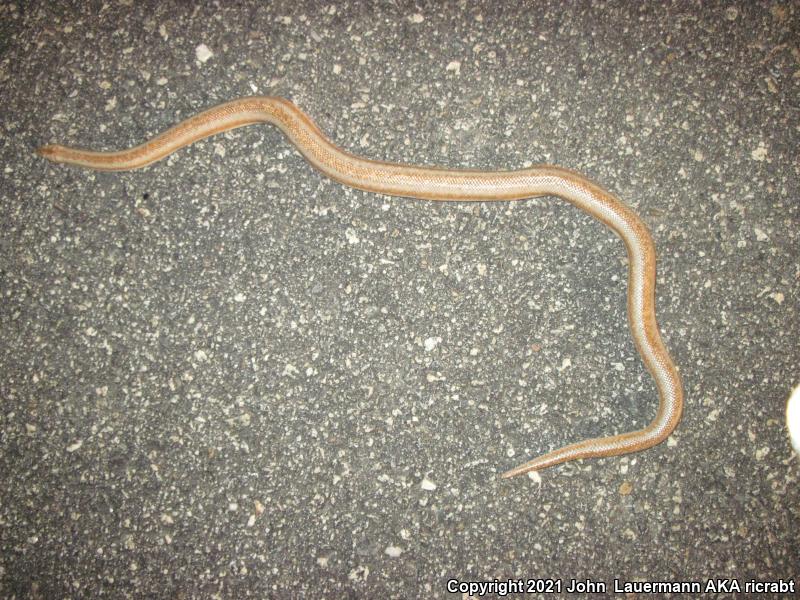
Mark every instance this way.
x=431 y=343
x=75 y=446
x=290 y=370
x=760 y=153
x=454 y=66
x=351 y=236
x=393 y=551
x=416 y=18
x=427 y=485
x=203 y=53
x=777 y=296
x=534 y=475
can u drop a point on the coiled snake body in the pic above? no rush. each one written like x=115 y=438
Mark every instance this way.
x=449 y=185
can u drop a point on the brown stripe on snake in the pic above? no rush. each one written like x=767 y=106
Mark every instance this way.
x=430 y=183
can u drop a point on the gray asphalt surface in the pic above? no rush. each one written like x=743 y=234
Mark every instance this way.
x=226 y=376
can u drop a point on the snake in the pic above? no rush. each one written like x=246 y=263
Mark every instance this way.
x=441 y=185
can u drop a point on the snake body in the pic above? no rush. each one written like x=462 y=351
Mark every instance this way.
x=437 y=184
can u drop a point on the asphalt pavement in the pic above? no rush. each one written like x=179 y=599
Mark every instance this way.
x=226 y=376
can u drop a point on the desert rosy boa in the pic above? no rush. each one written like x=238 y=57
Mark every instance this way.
x=449 y=185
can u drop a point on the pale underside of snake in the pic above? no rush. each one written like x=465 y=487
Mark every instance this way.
x=429 y=183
